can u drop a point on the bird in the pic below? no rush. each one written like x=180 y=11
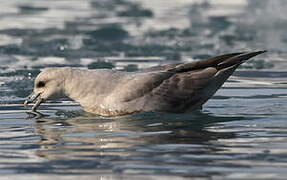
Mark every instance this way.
x=172 y=88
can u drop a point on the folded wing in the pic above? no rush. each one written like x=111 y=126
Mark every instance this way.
x=192 y=84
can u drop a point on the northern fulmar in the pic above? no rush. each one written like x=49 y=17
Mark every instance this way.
x=175 y=88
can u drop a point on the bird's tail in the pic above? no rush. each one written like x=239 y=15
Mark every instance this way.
x=238 y=59
x=219 y=62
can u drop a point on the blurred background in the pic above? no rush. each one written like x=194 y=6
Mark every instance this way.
x=134 y=34
x=131 y=34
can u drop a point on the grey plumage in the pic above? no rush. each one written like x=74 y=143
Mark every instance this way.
x=171 y=88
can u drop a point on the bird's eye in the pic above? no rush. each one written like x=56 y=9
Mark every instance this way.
x=40 y=84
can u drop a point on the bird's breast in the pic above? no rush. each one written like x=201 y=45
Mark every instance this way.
x=106 y=111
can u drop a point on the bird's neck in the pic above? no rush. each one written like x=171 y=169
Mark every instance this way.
x=87 y=86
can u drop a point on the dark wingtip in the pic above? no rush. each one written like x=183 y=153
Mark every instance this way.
x=239 y=59
x=263 y=51
x=249 y=55
x=259 y=52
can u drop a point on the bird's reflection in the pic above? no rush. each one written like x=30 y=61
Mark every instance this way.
x=94 y=144
x=93 y=135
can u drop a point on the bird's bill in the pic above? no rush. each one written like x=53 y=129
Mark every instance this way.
x=33 y=97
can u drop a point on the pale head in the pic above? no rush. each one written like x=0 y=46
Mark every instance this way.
x=49 y=84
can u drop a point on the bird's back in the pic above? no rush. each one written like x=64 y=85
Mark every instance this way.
x=171 y=88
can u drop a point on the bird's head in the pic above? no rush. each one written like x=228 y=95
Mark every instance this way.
x=49 y=84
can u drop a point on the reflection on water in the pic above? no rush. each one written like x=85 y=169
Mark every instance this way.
x=132 y=144
x=240 y=134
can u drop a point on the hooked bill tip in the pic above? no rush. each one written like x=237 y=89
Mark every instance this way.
x=25 y=103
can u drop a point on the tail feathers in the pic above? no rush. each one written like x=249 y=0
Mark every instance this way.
x=219 y=62
x=237 y=60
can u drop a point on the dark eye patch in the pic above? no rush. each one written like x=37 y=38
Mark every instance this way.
x=41 y=84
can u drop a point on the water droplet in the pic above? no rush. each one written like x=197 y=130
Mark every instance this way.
x=29 y=75
x=62 y=48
